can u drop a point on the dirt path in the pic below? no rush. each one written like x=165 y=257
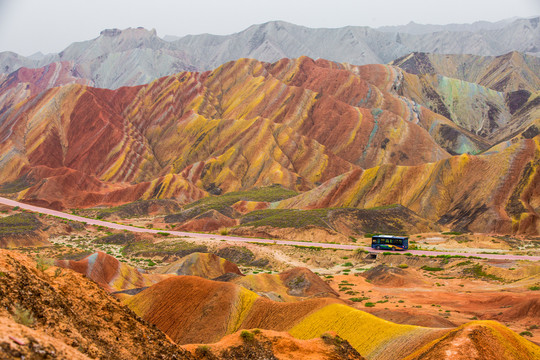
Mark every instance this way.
x=216 y=237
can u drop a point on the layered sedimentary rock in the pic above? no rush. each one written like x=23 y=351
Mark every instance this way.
x=505 y=73
x=298 y=123
x=499 y=190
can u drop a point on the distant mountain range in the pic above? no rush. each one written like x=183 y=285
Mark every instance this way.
x=137 y=56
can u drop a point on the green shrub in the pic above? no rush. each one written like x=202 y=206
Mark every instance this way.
x=203 y=350
x=429 y=268
x=151 y=263
x=534 y=288
x=526 y=333
x=369 y=304
x=403 y=266
x=360 y=299
x=247 y=335
x=42 y=263
x=327 y=338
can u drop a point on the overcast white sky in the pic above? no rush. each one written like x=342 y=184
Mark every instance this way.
x=28 y=26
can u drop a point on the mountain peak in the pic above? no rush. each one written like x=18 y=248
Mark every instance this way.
x=139 y=32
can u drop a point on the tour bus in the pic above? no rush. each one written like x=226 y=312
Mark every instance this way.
x=389 y=242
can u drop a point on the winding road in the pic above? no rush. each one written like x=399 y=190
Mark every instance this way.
x=246 y=240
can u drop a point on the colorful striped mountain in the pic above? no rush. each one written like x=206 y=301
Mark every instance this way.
x=457 y=153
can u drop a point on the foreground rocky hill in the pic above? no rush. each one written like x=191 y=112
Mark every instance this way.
x=49 y=312
x=64 y=314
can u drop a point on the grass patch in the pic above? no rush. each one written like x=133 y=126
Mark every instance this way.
x=146 y=248
x=316 y=248
x=264 y=194
x=429 y=268
x=17 y=185
x=19 y=223
x=287 y=218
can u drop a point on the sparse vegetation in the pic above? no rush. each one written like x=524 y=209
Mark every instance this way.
x=403 y=266
x=526 y=333
x=534 y=288
x=369 y=304
x=477 y=271
x=23 y=316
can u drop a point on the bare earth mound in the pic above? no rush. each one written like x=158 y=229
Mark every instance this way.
x=209 y=266
x=110 y=273
x=486 y=340
x=267 y=344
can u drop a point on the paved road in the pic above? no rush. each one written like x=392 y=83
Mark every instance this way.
x=243 y=239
